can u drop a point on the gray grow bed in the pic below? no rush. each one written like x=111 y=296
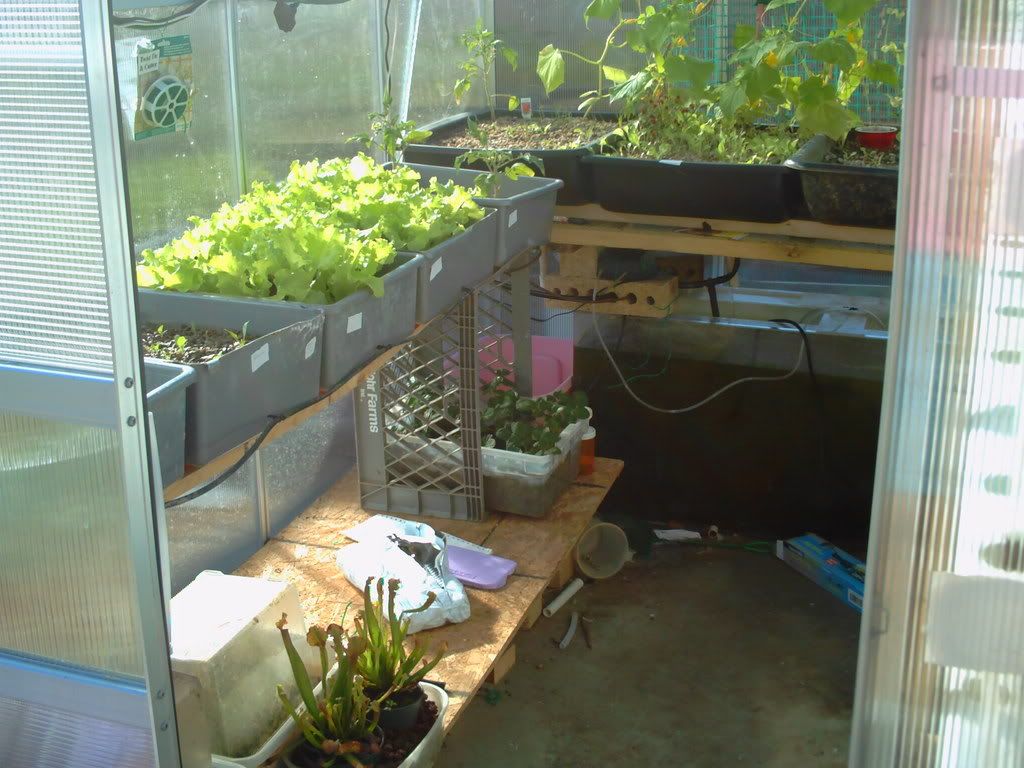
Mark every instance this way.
x=233 y=397
x=525 y=207
x=166 y=384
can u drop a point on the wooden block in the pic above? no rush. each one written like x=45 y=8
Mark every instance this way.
x=566 y=570
x=640 y=298
x=577 y=261
x=533 y=613
x=502 y=665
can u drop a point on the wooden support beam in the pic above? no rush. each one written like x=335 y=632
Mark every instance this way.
x=734 y=244
x=792 y=228
x=640 y=298
x=533 y=613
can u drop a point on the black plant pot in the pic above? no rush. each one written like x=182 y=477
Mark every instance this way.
x=733 y=191
x=564 y=164
x=402 y=716
x=853 y=195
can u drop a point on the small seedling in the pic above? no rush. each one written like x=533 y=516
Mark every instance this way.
x=389 y=135
x=499 y=163
x=483 y=48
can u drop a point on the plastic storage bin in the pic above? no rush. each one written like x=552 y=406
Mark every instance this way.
x=854 y=195
x=525 y=207
x=165 y=399
x=562 y=164
x=457 y=264
x=232 y=397
x=224 y=634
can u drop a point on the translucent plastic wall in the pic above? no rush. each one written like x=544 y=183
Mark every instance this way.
x=941 y=677
x=77 y=644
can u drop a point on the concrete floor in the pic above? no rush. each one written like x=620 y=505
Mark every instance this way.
x=700 y=658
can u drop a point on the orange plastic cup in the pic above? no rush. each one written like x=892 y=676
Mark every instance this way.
x=587 y=451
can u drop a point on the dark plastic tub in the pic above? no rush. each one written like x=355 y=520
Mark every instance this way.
x=166 y=385
x=734 y=191
x=233 y=397
x=854 y=195
x=564 y=164
x=525 y=207
x=457 y=264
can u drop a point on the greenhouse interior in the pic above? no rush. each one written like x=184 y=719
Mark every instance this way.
x=411 y=383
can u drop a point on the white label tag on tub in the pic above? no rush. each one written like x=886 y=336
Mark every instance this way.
x=435 y=268
x=355 y=322
x=260 y=357
x=310 y=348
x=513 y=218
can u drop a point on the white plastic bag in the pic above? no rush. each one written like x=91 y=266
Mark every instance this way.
x=382 y=550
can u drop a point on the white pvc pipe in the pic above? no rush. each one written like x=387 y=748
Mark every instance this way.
x=573 y=587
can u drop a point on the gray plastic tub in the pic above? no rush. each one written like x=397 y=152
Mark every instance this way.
x=166 y=384
x=525 y=207
x=354 y=328
x=458 y=263
x=234 y=396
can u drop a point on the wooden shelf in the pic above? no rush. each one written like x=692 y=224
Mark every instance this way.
x=303 y=554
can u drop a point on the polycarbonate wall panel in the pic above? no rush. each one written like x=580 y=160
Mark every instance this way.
x=218 y=531
x=66 y=585
x=303 y=92
x=44 y=736
x=176 y=175
x=438 y=54
x=307 y=461
x=53 y=300
x=941 y=678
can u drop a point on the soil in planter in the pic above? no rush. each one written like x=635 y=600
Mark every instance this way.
x=852 y=153
x=307 y=756
x=399 y=745
x=564 y=132
x=187 y=345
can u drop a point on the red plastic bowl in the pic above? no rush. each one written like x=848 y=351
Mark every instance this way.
x=880 y=137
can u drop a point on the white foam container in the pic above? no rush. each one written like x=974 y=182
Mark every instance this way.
x=224 y=634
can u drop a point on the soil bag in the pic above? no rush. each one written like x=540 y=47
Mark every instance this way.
x=414 y=554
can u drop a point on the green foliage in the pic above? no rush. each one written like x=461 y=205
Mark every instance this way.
x=384 y=663
x=389 y=135
x=500 y=163
x=550 y=68
x=341 y=726
x=525 y=425
x=483 y=48
x=328 y=230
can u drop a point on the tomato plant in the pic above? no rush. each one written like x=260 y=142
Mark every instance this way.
x=483 y=48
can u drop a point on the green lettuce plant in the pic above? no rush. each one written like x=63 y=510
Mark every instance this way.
x=514 y=423
x=328 y=230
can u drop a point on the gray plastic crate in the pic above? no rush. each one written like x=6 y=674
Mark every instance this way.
x=525 y=207
x=451 y=268
x=356 y=327
x=233 y=397
x=166 y=384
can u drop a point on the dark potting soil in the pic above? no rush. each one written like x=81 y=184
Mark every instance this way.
x=398 y=745
x=307 y=756
x=565 y=132
x=852 y=153
x=184 y=344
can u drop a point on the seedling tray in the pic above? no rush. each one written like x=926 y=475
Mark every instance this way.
x=166 y=384
x=564 y=164
x=525 y=207
x=766 y=193
x=234 y=396
x=457 y=264
x=854 y=195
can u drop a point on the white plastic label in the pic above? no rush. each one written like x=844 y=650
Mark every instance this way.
x=310 y=347
x=435 y=268
x=513 y=218
x=355 y=322
x=260 y=357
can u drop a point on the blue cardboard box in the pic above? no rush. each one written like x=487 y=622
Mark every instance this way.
x=837 y=571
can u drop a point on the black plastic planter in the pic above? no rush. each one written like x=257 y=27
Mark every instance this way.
x=767 y=193
x=854 y=195
x=564 y=164
x=403 y=716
